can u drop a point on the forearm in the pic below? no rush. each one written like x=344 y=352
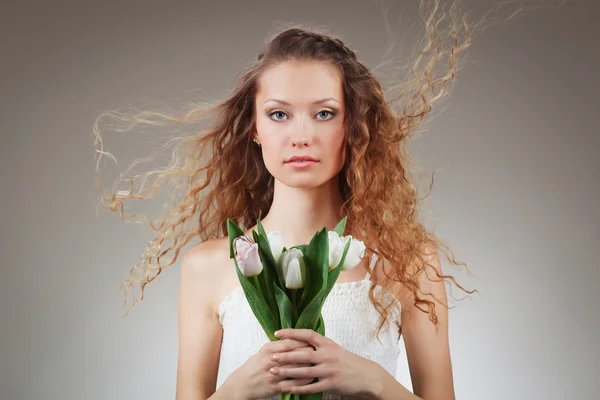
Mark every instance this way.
x=384 y=386
x=217 y=396
x=225 y=393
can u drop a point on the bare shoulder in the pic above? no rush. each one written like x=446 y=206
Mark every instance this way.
x=203 y=267
x=431 y=287
x=425 y=276
x=203 y=255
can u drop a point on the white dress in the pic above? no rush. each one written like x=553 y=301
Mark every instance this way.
x=350 y=320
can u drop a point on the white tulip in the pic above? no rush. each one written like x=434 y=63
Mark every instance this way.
x=355 y=253
x=292 y=269
x=276 y=244
x=335 y=254
x=247 y=257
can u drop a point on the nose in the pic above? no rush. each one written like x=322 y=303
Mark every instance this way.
x=299 y=142
x=303 y=135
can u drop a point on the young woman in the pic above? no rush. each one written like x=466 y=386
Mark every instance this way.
x=306 y=138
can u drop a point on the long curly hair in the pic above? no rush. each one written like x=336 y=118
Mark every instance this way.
x=216 y=173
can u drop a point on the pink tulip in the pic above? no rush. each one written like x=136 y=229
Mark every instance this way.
x=247 y=256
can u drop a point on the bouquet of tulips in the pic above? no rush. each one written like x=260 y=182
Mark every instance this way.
x=286 y=288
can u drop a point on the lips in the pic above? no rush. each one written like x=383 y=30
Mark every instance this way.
x=300 y=158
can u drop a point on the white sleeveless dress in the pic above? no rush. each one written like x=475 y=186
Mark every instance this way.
x=350 y=320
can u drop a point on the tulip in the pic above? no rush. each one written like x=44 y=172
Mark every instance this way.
x=247 y=257
x=355 y=253
x=292 y=269
x=335 y=254
x=276 y=244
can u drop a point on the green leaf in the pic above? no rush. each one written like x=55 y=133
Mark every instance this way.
x=267 y=320
x=321 y=326
x=317 y=260
x=311 y=396
x=339 y=228
x=335 y=273
x=314 y=283
x=265 y=278
x=285 y=308
x=309 y=317
x=263 y=243
x=233 y=231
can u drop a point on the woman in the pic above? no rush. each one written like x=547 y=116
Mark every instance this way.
x=306 y=138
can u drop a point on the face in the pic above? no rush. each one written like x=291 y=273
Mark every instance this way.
x=300 y=112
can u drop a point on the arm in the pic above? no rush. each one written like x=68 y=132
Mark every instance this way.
x=428 y=351
x=200 y=332
x=384 y=386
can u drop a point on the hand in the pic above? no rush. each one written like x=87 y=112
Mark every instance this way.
x=253 y=380
x=337 y=369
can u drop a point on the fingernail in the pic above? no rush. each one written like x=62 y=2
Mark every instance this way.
x=277 y=333
x=275 y=357
x=274 y=370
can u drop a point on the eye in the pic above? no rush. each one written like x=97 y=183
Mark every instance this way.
x=280 y=113
x=326 y=112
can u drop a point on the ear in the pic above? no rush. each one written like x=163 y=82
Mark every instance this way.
x=253 y=131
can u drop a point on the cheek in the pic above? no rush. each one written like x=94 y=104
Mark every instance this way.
x=270 y=145
x=271 y=157
x=338 y=144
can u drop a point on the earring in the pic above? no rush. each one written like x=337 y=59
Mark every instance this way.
x=256 y=141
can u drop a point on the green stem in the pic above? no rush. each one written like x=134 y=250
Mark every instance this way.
x=294 y=299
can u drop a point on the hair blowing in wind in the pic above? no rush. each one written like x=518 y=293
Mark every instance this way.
x=217 y=173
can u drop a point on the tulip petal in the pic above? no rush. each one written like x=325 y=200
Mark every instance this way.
x=253 y=265
x=334 y=249
x=276 y=244
x=293 y=277
x=356 y=252
x=242 y=246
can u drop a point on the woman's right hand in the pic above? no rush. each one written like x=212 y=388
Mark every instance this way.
x=253 y=380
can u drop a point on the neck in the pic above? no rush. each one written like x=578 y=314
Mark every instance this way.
x=298 y=213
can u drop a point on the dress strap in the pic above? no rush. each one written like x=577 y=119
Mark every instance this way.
x=374 y=259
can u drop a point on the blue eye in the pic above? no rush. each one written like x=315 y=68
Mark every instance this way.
x=277 y=112
x=326 y=112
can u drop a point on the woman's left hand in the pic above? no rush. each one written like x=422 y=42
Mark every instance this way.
x=336 y=368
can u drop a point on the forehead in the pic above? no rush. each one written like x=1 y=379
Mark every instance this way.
x=299 y=81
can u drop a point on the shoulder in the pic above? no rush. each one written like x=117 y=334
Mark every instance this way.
x=426 y=271
x=429 y=271
x=426 y=276
x=203 y=255
x=202 y=268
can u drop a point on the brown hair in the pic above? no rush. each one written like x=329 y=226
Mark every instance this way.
x=220 y=174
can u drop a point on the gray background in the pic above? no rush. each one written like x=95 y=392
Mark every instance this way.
x=517 y=197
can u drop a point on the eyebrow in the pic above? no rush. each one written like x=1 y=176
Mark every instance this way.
x=314 y=102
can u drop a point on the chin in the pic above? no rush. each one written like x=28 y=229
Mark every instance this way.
x=307 y=181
